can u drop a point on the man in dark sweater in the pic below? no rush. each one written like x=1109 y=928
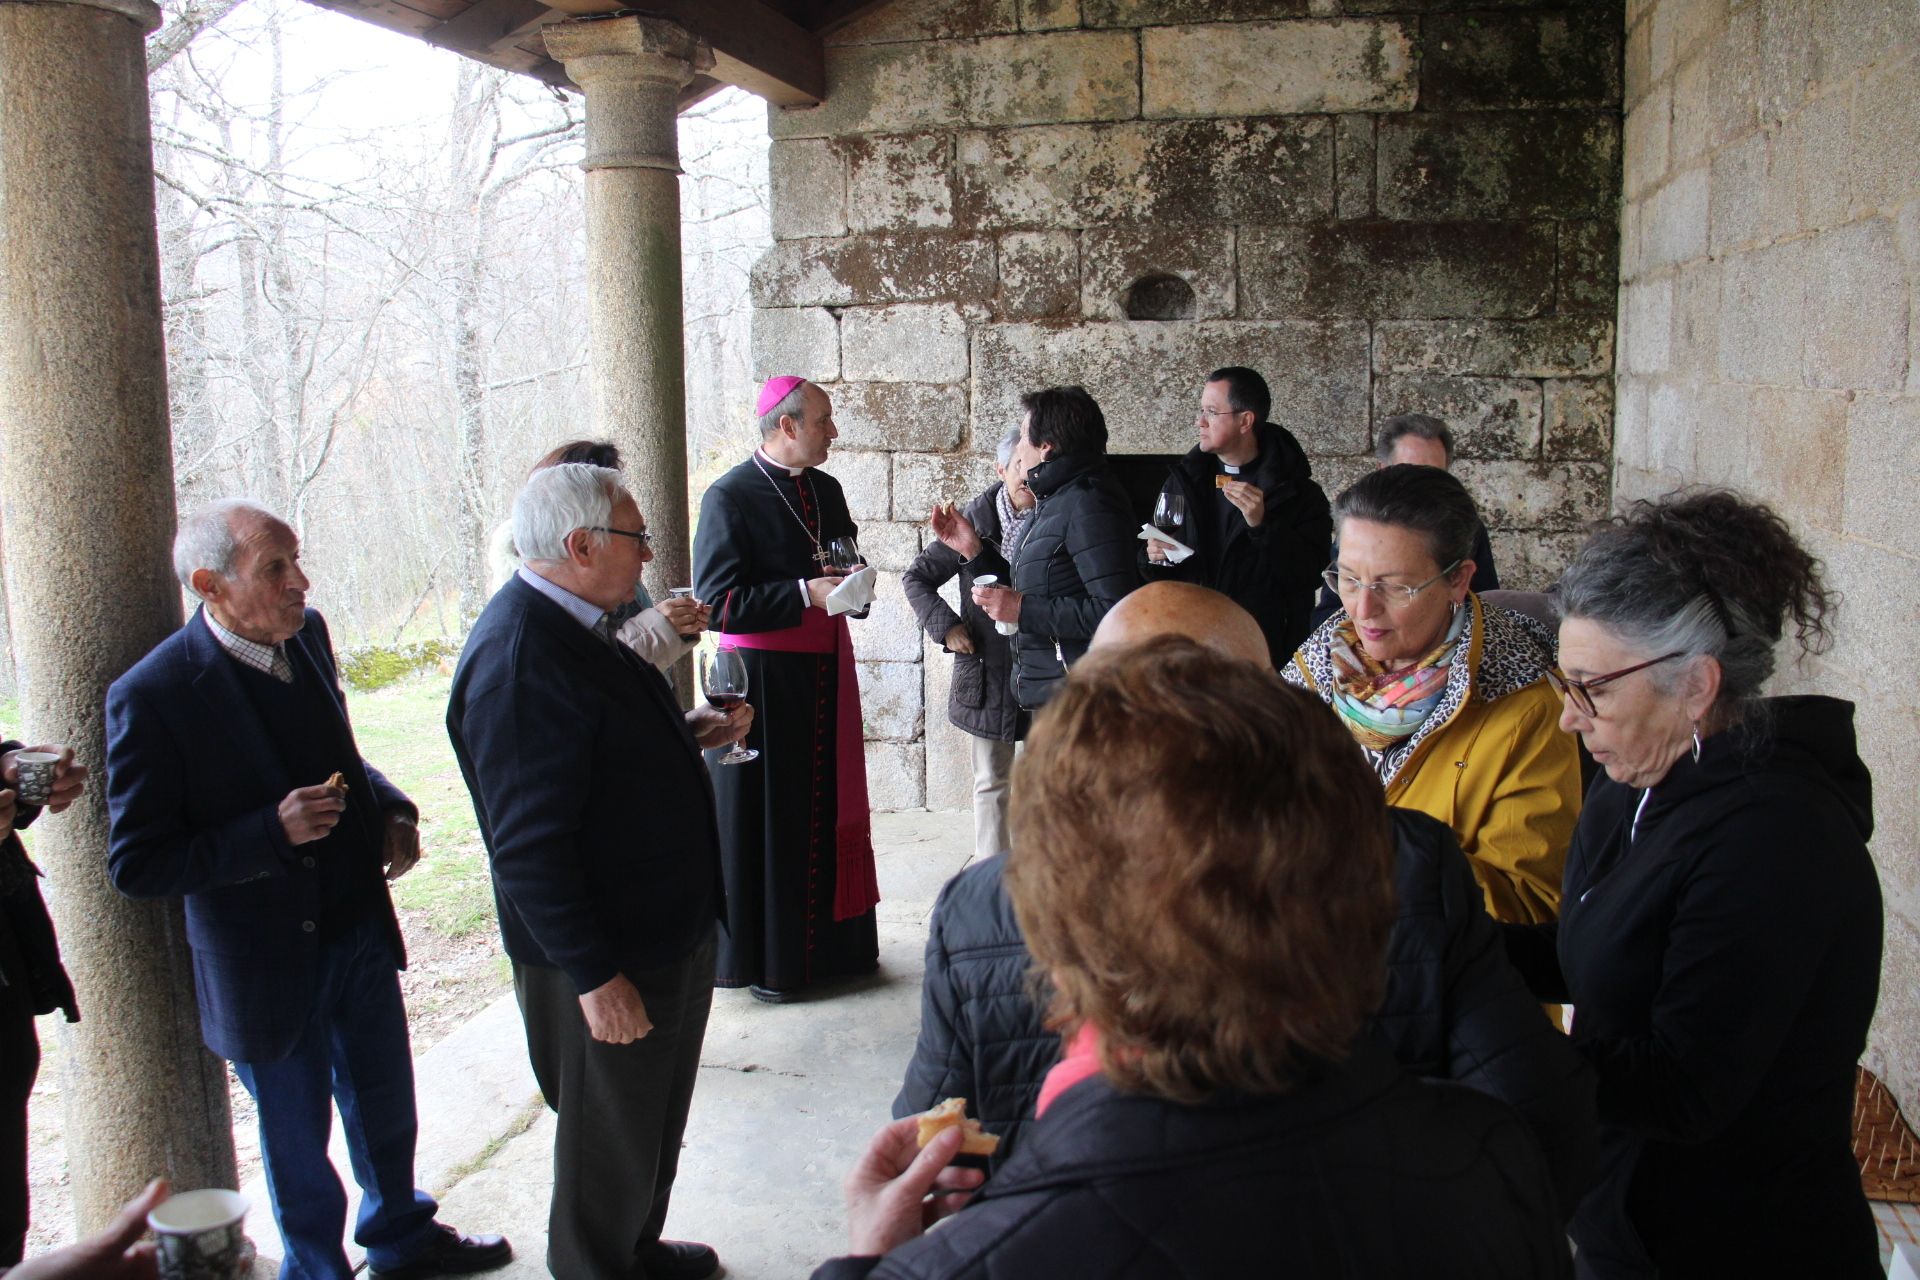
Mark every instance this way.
x=1256 y=521
x=598 y=818
x=233 y=780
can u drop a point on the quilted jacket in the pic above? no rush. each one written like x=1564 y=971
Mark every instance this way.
x=1455 y=1009
x=1075 y=562
x=1362 y=1172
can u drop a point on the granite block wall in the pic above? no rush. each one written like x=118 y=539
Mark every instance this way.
x=1770 y=258
x=1383 y=205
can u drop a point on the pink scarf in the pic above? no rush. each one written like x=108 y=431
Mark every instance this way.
x=856 y=888
x=1082 y=1062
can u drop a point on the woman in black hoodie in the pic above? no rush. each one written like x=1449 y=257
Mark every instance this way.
x=1719 y=936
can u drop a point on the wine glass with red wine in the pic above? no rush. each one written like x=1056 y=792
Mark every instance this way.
x=1170 y=516
x=724 y=676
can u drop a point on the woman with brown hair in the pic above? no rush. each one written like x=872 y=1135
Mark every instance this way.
x=1203 y=867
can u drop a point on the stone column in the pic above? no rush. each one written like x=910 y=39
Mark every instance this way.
x=632 y=70
x=86 y=495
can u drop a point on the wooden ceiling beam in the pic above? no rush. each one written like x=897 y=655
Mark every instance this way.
x=831 y=15
x=755 y=46
x=487 y=25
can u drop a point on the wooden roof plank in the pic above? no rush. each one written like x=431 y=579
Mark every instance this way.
x=756 y=47
x=481 y=28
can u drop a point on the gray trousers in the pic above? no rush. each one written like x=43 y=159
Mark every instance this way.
x=622 y=1109
x=992 y=770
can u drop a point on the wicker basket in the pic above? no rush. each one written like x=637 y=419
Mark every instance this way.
x=1886 y=1149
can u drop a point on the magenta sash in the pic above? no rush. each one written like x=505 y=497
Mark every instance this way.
x=856 y=887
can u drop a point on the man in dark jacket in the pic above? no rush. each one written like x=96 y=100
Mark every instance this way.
x=1257 y=523
x=223 y=749
x=980 y=702
x=1075 y=561
x=1455 y=1009
x=564 y=737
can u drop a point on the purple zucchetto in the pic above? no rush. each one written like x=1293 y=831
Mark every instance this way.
x=774 y=391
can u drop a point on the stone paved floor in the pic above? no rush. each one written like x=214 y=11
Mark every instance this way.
x=788 y=1097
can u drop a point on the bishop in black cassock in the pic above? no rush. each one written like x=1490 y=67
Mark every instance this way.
x=795 y=830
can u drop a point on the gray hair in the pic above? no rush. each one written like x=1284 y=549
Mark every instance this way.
x=557 y=500
x=205 y=539
x=793 y=404
x=1421 y=425
x=1706 y=574
x=1003 y=452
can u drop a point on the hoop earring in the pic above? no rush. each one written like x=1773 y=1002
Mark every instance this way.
x=1696 y=742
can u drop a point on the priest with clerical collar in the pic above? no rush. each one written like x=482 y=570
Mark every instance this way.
x=796 y=837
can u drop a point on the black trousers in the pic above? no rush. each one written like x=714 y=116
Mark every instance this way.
x=19 y=1064
x=622 y=1109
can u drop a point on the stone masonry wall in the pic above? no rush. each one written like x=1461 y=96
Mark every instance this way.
x=1383 y=205
x=1770 y=260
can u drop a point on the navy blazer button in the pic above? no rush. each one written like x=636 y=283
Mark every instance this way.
x=306 y=862
x=306 y=926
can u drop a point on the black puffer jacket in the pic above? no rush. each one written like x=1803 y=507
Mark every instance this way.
x=1720 y=940
x=981 y=699
x=1075 y=562
x=1271 y=571
x=1362 y=1172
x=1454 y=1008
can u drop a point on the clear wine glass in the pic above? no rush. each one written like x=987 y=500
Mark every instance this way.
x=1170 y=515
x=845 y=554
x=724 y=676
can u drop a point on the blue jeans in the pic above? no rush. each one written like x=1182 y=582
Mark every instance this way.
x=354 y=1051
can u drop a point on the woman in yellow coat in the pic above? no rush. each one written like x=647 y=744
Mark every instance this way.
x=1445 y=694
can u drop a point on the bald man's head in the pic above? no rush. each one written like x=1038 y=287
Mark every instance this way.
x=1182 y=609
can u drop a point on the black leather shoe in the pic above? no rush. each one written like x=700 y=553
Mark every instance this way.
x=678 y=1260
x=451 y=1254
x=768 y=995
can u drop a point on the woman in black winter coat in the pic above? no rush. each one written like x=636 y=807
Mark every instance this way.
x=1212 y=898
x=1720 y=934
x=1077 y=557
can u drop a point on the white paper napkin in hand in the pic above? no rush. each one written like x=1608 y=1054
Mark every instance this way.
x=1180 y=549
x=854 y=593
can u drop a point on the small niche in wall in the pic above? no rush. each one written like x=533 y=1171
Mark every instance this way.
x=1159 y=297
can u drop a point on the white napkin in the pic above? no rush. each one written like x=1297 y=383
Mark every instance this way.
x=1180 y=549
x=854 y=593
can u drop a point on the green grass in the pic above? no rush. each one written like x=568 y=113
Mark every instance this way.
x=402 y=730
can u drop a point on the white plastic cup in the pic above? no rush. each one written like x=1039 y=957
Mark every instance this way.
x=993 y=580
x=199 y=1235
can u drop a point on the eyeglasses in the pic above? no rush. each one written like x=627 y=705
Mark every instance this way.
x=643 y=537
x=1580 y=692
x=1390 y=594
x=1204 y=414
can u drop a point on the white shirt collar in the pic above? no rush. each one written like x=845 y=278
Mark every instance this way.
x=585 y=612
x=768 y=458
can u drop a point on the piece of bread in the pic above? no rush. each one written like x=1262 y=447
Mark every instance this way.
x=1220 y=481
x=338 y=781
x=952 y=1114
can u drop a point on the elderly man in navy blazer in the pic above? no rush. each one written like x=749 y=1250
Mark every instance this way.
x=221 y=745
x=598 y=818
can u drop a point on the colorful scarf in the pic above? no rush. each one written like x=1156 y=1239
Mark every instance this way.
x=1383 y=707
x=1013 y=524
